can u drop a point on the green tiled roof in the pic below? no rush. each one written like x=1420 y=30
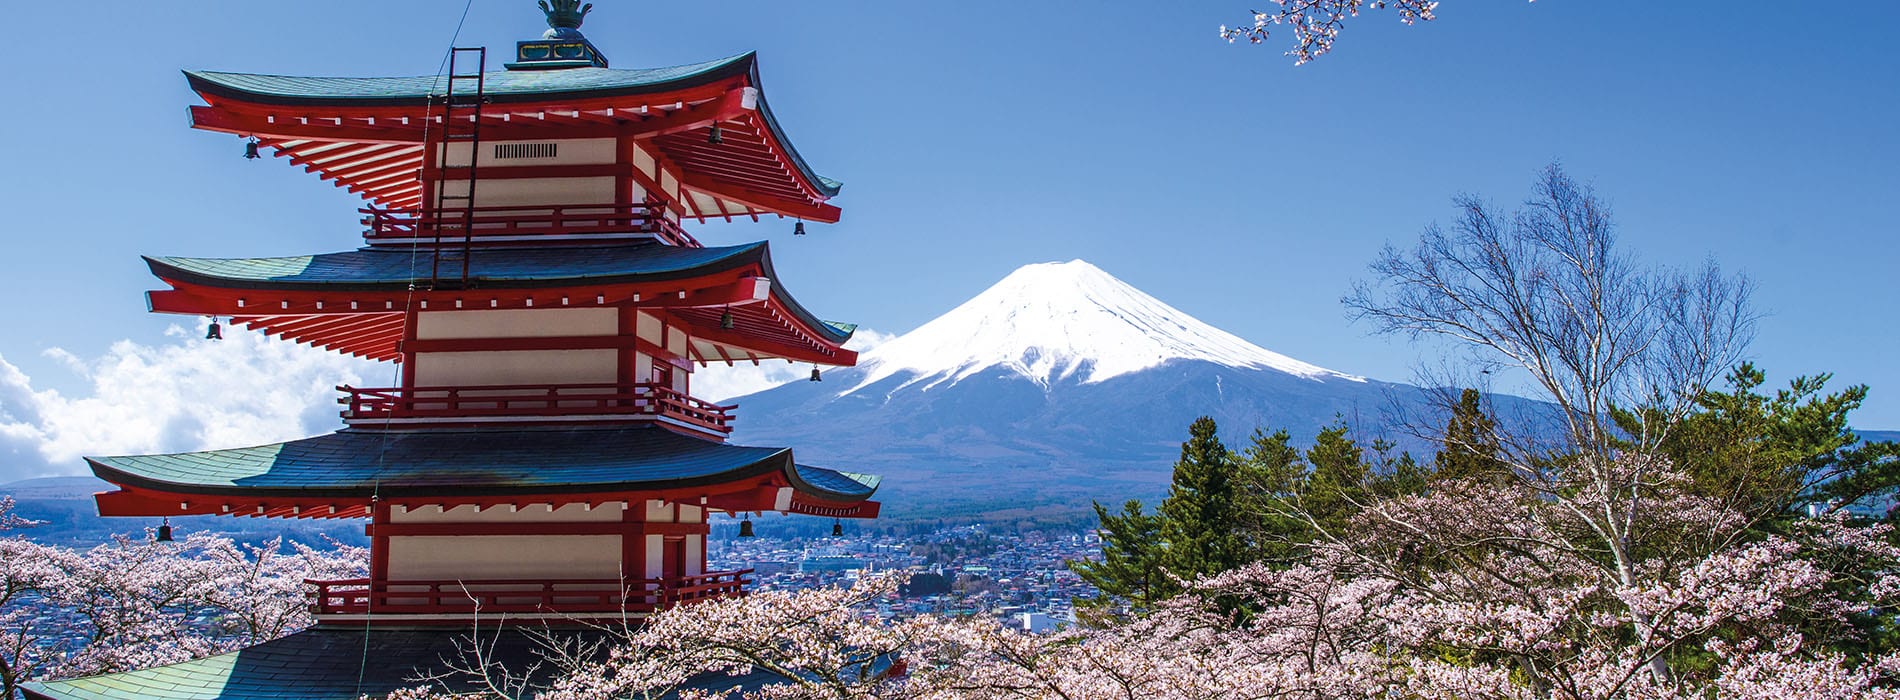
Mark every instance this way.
x=332 y=664
x=499 y=86
x=836 y=482
x=355 y=463
x=394 y=269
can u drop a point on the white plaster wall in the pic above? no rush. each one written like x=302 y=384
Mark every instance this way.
x=648 y=327
x=532 y=191
x=670 y=184
x=505 y=556
x=516 y=367
x=691 y=514
x=517 y=323
x=569 y=152
x=656 y=556
x=642 y=366
x=644 y=161
x=676 y=341
x=659 y=511
x=695 y=555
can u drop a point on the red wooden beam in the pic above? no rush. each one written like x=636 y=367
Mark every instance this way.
x=371 y=333
x=819 y=212
x=581 y=342
x=215 y=119
x=378 y=162
x=730 y=105
x=776 y=347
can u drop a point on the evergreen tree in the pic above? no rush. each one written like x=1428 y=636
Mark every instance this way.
x=1271 y=473
x=1200 y=519
x=1391 y=477
x=1470 y=448
x=1772 y=456
x=1335 y=489
x=1130 y=568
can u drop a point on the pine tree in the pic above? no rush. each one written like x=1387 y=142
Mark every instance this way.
x=1130 y=568
x=1200 y=519
x=1471 y=444
x=1271 y=473
x=1336 y=488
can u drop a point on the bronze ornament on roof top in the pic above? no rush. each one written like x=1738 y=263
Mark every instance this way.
x=565 y=14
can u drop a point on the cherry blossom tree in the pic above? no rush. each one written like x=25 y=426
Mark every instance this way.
x=135 y=603
x=1316 y=23
x=1535 y=623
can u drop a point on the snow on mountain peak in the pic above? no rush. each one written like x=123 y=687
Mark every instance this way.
x=1049 y=321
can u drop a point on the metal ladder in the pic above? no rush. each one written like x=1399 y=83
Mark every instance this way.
x=461 y=123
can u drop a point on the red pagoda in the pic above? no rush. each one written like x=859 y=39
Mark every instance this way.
x=528 y=265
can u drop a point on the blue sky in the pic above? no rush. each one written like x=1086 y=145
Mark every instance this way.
x=976 y=137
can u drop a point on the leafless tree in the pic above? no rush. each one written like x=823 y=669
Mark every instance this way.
x=1545 y=291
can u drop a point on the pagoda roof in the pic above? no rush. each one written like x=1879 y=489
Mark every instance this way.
x=334 y=125
x=500 y=86
x=486 y=461
x=279 y=294
x=335 y=663
x=397 y=268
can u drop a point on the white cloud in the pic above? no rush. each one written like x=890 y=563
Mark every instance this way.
x=187 y=395
x=248 y=389
x=717 y=382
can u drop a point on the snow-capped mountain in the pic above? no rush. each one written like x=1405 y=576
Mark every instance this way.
x=1054 y=321
x=1056 y=386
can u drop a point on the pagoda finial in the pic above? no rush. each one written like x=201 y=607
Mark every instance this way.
x=565 y=14
x=562 y=45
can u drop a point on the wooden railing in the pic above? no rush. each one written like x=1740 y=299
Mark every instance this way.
x=532 y=400
x=574 y=597
x=522 y=225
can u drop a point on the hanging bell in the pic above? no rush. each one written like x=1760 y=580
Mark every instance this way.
x=725 y=320
x=745 y=527
x=164 y=532
x=250 y=150
x=798 y=229
x=814 y=374
x=215 y=332
x=837 y=527
x=713 y=137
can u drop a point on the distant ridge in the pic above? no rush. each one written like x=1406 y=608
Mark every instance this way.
x=55 y=488
x=1058 y=385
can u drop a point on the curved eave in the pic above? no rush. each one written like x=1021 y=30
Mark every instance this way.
x=329 y=300
x=280 y=295
x=342 y=474
x=292 y=116
x=834 y=485
x=508 y=87
x=373 y=465
x=825 y=186
x=510 y=268
x=835 y=333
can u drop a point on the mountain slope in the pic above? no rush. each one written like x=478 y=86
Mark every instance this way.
x=1053 y=321
x=1058 y=385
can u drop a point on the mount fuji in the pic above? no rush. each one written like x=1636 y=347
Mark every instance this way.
x=1058 y=385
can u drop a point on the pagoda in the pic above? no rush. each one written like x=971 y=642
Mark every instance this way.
x=527 y=263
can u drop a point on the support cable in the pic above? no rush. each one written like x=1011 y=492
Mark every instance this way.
x=382 y=450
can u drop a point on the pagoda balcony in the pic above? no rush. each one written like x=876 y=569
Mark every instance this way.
x=459 y=600
x=535 y=403
x=523 y=225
